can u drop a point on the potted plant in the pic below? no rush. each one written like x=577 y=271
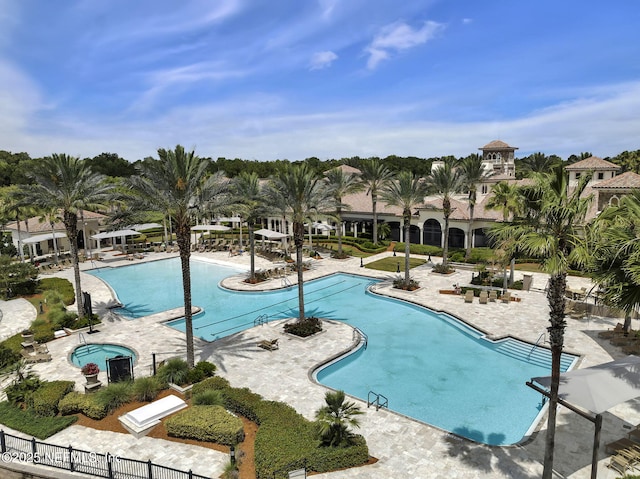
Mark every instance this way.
x=27 y=336
x=90 y=371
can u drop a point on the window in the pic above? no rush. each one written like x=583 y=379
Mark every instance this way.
x=601 y=176
x=485 y=189
x=578 y=175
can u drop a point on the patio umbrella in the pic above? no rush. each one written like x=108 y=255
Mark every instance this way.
x=269 y=234
x=600 y=387
x=47 y=237
x=115 y=234
x=208 y=228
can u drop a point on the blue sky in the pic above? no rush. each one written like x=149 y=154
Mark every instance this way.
x=290 y=79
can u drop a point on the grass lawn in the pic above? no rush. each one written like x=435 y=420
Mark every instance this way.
x=391 y=263
x=348 y=249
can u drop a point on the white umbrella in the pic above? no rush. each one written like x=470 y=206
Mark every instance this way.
x=269 y=234
x=600 y=387
x=115 y=234
x=233 y=219
x=47 y=237
x=210 y=228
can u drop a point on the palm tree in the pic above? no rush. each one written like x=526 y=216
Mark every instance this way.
x=335 y=419
x=554 y=238
x=375 y=176
x=341 y=184
x=298 y=190
x=505 y=196
x=249 y=199
x=170 y=185
x=538 y=163
x=67 y=184
x=407 y=191
x=50 y=216
x=445 y=181
x=473 y=172
x=616 y=253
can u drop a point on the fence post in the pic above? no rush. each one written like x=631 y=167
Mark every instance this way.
x=34 y=449
x=153 y=357
x=150 y=468
x=3 y=442
x=72 y=467
x=190 y=474
x=109 y=465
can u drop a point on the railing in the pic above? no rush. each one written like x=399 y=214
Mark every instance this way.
x=286 y=282
x=378 y=399
x=82 y=339
x=91 y=463
x=260 y=320
x=362 y=335
x=542 y=337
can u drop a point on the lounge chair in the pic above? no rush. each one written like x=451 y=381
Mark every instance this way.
x=269 y=345
x=484 y=297
x=620 y=463
x=506 y=297
x=493 y=295
x=468 y=296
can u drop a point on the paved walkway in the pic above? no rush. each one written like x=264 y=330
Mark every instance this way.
x=404 y=447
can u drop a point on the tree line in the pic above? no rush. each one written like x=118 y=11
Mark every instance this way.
x=15 y=168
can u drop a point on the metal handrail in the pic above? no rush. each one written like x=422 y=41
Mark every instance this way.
x=260 y=320
x=543 y=336
x=362 y=335
x=376 y=401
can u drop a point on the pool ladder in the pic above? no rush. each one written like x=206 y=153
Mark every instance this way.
x=286 y=282
x=378 y=399
x=81 y=339
x=260 y=320
x=361 y=334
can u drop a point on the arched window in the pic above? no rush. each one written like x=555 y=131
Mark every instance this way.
x=614 y=201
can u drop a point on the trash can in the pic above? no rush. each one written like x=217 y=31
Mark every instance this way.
x=527 y=281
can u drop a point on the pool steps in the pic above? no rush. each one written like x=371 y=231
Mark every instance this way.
x=529 y=353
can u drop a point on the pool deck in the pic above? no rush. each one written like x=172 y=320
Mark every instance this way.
x=404 y=447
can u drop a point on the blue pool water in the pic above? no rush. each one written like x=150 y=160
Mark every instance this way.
x=430 y=366
x=99 y=353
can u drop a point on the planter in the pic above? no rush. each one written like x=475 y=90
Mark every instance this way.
x=181 y=389
x=91 y=378
x=27 y=338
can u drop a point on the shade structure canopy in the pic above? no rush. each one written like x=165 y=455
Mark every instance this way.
x=210 y=228
x=46 y=237
x=269 y=234
x=232 y=219
x=144 y=226
x=115 y=234
x=322 y=226
x=600 y=387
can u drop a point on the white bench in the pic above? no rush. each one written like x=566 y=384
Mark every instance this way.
x=140 y=421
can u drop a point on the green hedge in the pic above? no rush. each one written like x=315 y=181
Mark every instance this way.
x=26 y=421
x=206 y=423
x=62 y=286
x=45 y=399
x=87 y=404
x=215 y=382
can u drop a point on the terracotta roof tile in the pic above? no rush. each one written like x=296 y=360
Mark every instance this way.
x=625 y=181
x=497 y=145
x=592 y=163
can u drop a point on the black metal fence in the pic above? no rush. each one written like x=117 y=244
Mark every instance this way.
x=14 y=448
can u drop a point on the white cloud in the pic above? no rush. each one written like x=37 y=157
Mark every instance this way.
x=322 y=60
x=399 y=36
x=467 y=21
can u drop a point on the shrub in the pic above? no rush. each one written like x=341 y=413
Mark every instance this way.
x=115 y=395
x=146 y=388
x=45 y=399
x=304 y=328
x=7 y=356
x=62 y=286
x=210 y=397
x=27 y=422
x=174 y=371
x=202 y=370
x=215 y=382
x=20 y=391
x=206 y=423
x=87 y=404
x=399 y=283
x=443 y=269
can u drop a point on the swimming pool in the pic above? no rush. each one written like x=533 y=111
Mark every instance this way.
x=430 y=366
x=99 y=353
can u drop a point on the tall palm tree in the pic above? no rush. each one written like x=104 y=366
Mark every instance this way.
x=248 y=198
x=341 y=184
x=506 y=197
x=50 y=216
x=555 y=239
x=473 y=172
x=170 y=185
x=538 y=163
x=335 y=419
x=446 y=181
x=616 y=252
x=407 y=191
x=375 y=176
x=301 y=192
x=67 y=184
